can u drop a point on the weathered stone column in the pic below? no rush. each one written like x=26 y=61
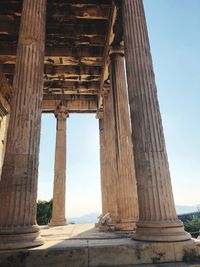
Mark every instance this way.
x=18 y=186
x=58 y=212
x=157 y=214
x=109 y=175
x=104 y=193
x=127 y=201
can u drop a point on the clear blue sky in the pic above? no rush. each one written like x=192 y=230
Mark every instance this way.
x=175 y=42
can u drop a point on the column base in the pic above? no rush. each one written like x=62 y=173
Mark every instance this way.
x=125 y=226
x=161 y=232
x=117 y=226
x=54 y=223
x=20 y=240
x=106 y=228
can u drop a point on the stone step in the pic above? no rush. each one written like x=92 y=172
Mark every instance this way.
x=84 y=246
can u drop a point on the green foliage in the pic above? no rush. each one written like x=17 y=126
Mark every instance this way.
x=44 y=211
x=193 y=226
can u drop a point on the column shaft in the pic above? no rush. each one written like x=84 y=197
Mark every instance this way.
x=104 y=193
x=58 y=212
x=157 y=214
x=18 y=186
x=126 y=182
x=110 y=164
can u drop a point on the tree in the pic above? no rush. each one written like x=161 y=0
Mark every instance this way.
x=44 y=211
x=193 y=227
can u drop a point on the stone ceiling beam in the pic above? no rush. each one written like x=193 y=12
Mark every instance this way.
x=84 y=27
x=74 y=104
x=56 y=60
x=71 y=84
x=9 y=6
x=79 y=51
x=60 y=69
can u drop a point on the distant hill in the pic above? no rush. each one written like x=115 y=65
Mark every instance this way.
x=88 y=218
x=186 y=209
x=93 y=217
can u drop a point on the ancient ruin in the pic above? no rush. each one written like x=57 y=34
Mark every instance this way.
x=63 y=57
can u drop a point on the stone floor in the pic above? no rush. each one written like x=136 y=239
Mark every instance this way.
x=79 y=231
x=84 y=245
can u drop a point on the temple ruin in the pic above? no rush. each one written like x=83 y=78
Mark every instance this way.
x=69 y=56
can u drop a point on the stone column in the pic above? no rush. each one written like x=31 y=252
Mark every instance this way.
x=109 y=174
x=18 y=186
x=127 y=201
x=59 y=188
x=157 y=214
x=104 y=194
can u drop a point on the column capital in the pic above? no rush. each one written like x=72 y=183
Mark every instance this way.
x=117 y=50
x=100 y=114
x=106 y=88
x=61 y=113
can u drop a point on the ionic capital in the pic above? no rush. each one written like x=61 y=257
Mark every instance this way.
x=106 y=88
x=100 y=114
x=117 y=50
x=61 y=113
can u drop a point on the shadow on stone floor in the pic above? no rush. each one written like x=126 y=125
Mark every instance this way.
x=84 y=245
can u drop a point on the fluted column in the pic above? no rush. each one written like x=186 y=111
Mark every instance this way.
x=127 y=201
x=157 y=214
x=59 y=187
x=18 y=186
x=109 y=175
x=104 y=193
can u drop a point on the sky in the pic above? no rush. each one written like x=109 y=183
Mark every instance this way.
x=173 y=27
